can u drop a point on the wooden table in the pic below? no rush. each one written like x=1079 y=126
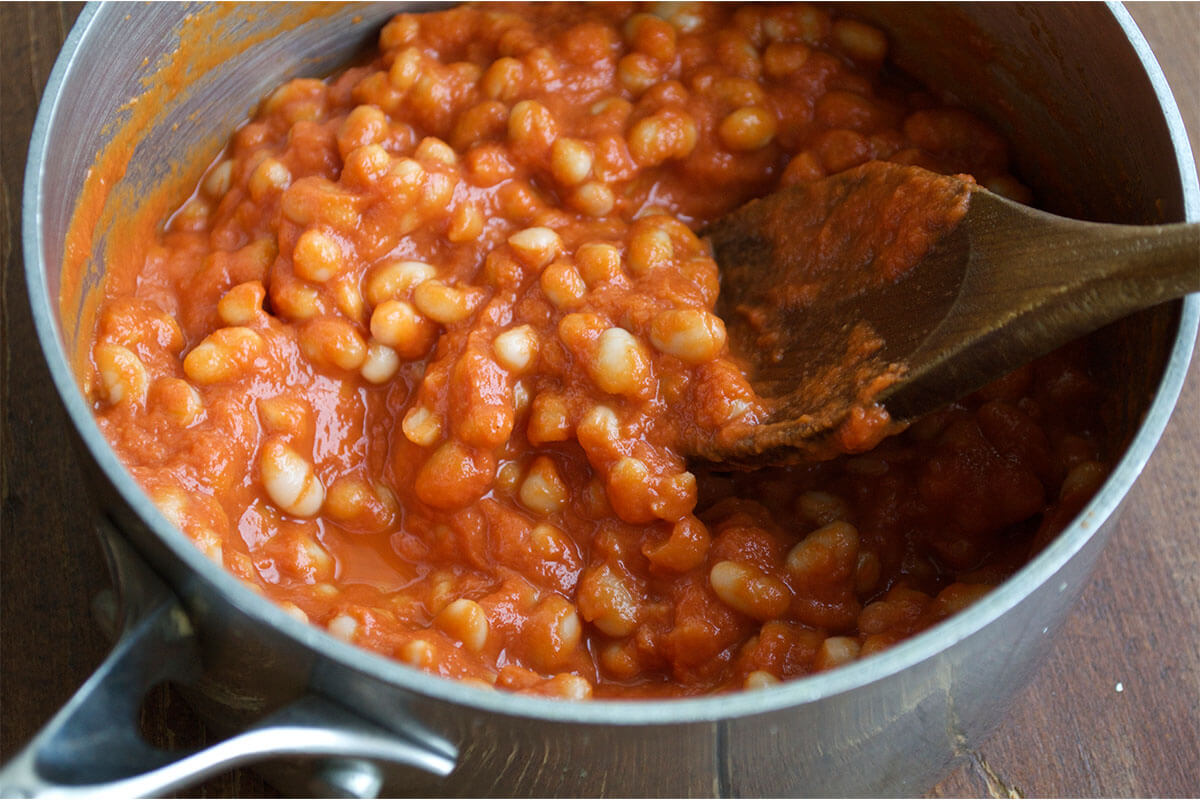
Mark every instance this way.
x=1114 y=709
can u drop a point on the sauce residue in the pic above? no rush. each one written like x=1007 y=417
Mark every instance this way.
x=793 y=261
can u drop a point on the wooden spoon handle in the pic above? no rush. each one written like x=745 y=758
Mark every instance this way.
x=1045 y=281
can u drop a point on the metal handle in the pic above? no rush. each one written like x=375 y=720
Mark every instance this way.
x=92 y=748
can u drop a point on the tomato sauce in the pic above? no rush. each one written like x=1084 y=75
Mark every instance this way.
x=417 y=359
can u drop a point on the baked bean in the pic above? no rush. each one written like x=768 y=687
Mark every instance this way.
x=957 y=137
x=759 y=679
x=535 y=246
x=821 y=508
x=299 y=554
x=348 y=298
x=841 y=149
x=417 y=653
x=637 y=72
x=598 y=262
x=178 y=399
x=466 y=223
x=361 y=506
x=614 y=110
x=684 y=550
x=290 y=480
x=343 y=626
x=454 y=476
x=195 y=215
x=436 y=193
x=803 y=167
x=867 y=573
x=366 y=166
x=568 y=687
x=1083 y=479
x=620 y=364
x=242 y=304
x=652 y=36
x=850 y=110
x=667 y=134
x=551 y=543
x=531 y=126
x=480 y=402
x=606 y=601
x=727 y=91
x=405 y=69
x=835 y=651
x=691 y=335
x=480 y=123
x=686 y=17
x=828 y=554
x=521 y=203
x=630 y=490
x=649 y=249
x=543 y=490
x=268 y=178
x=562 y=285
x=393 y=279
x=860 y=41
x=136 y=324
x=782 y=59
x=312 y=200
x=223 y=355
x=331 y=342
x=592 y=198
x=598 y=428
x=406 y=178
x=318 y=256
x=507 y=477
x=421 y=426
x=553 y=633
x=282 y=414
x=745 y=589
x=435 y=151
x=748 y=128
x=442 y=303
x=218 y=180
x=291 y=609
x=549 y=420
x=465 y=621
x=503 y=80
x=398 y=325
x=619 y=660
x=957 y=596
x=570 y=160
x=123 y=376
x=738 y=54
x=298 y=100
x=516 y=348
x=363 y=125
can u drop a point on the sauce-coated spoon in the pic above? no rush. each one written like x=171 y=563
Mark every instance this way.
x=895 y=286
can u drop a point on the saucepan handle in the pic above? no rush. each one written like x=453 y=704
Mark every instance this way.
x=92 y=747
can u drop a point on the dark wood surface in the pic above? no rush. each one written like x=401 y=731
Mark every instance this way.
x=1113 y=711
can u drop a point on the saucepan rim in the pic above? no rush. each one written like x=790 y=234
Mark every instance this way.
x=921 y=647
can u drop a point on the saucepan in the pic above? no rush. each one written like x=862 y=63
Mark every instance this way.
x=1095 y=132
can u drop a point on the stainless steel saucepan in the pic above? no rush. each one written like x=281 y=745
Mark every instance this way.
x=1096 y=133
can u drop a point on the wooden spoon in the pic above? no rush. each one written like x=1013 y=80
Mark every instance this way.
x=893 y=286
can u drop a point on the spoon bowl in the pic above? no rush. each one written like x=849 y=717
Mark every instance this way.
x=862 y=301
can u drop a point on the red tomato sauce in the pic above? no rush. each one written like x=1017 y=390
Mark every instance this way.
x=416 y=359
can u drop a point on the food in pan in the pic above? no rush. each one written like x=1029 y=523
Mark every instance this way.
x=416 y=358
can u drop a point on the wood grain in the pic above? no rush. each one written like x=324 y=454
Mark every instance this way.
x=1113 y=710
